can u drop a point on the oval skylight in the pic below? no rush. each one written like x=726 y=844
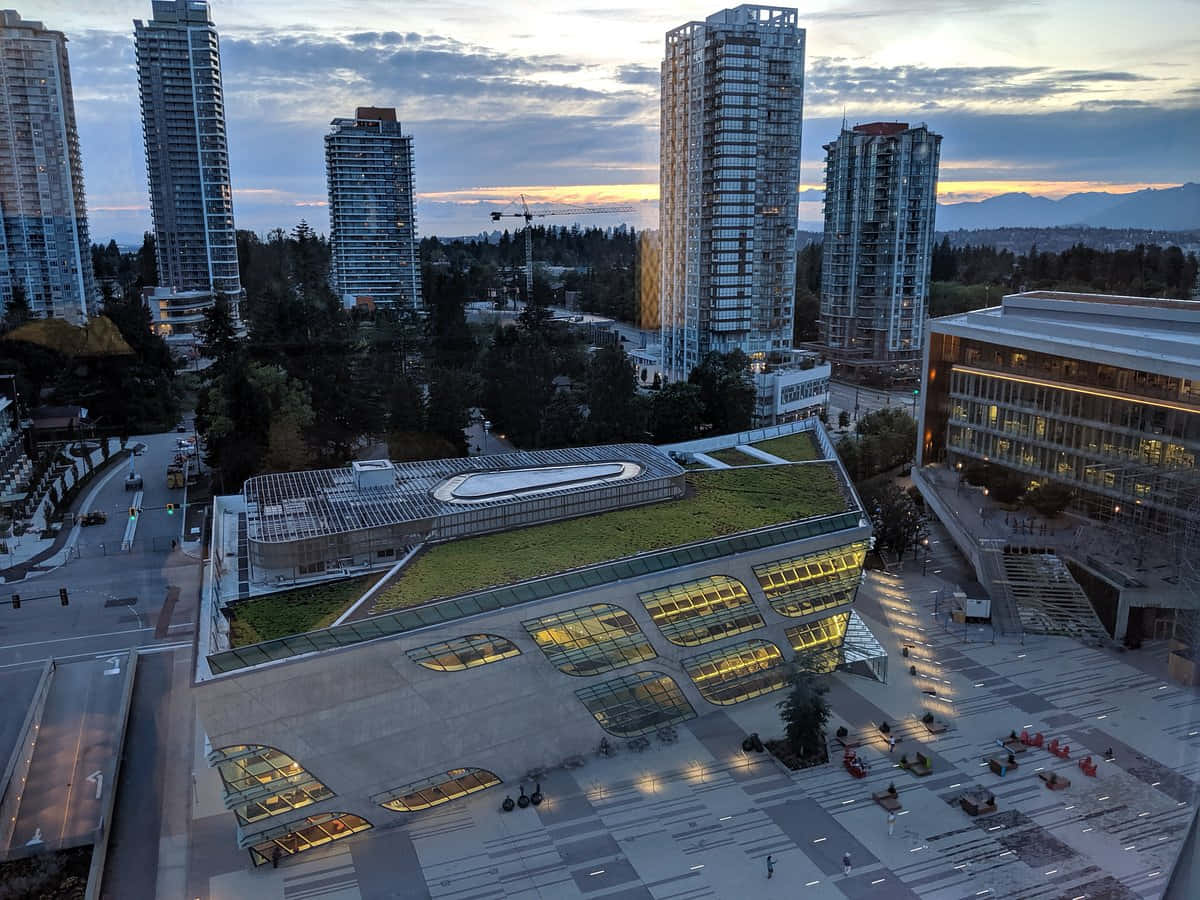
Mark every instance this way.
x=478 y=487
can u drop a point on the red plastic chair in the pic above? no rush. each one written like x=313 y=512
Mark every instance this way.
x=1025 y=738
x=1037 y=740
x=1087 y=766
x=1053 y=746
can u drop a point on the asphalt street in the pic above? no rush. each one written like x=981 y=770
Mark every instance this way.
x=73 y=756
x=867 y=400
x=117 y=599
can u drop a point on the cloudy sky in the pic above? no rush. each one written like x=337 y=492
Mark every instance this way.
x=560 y=101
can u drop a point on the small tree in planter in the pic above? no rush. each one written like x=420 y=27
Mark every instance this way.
x=804 y=712
x=1049 y=499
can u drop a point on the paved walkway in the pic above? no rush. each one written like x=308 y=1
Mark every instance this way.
x=697 y=819
x=52 y=551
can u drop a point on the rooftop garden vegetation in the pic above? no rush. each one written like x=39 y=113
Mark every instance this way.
x=798 y=447
x=734 y=457
x=717 y=503
x=295 y=611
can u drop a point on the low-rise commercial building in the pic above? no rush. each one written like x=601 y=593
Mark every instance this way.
x=1097 y=394
x=622 y=595
x=789 y=386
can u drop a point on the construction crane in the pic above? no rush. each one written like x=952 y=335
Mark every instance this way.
x=530 y=216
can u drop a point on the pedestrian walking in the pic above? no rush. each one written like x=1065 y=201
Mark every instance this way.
x=846 y=862
x=891 y=823
x=891 y=743
x=770 y=866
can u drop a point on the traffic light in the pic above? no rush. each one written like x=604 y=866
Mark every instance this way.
x=916 y=392
x=62 y=597
x=16 y=601
x=170 y=509
x=133 y=512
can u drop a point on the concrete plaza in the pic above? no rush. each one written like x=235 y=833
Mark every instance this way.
x=697 y=818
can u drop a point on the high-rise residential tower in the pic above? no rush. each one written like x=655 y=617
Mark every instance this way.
x=372 y=211
x=187 y=159
x=45 y=252
x=880 y=201
x=732 y=104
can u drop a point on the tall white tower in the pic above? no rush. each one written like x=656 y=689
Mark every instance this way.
x=187 y=159
x=732 y=106
x=373 y=240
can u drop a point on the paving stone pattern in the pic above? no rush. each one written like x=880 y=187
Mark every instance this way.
x=697 y=818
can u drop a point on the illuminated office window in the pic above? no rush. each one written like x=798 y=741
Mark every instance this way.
x=464 y=652
x=436 y=790
x=312 y=831
x=261 y=782
x=816 y=581
x=737 y=673
x=816 y=643
x=295 y=797
x=635 y=704
x=697 y=612
x=590 y=639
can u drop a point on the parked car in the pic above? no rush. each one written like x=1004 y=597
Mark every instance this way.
x=95 y=517
x=181 y=428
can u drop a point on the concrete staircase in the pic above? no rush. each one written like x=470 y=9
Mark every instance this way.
x=1048 y=599
x=1005 y=617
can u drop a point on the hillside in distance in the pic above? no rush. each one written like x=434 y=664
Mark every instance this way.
x=1168 y=209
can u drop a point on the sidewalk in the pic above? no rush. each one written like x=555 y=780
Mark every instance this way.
x=44 y=554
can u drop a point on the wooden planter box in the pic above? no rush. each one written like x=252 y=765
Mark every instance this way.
x=1058 y=784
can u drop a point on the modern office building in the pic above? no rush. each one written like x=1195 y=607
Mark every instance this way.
x=1098 y=394
x=880 y=201
x=45 y=252
x=187 y=158
x=548 y=600
x=376 y=258
x=732 y=104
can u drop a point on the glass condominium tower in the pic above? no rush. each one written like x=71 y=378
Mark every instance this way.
x=732 y=104
x=45 y=251
x=373 y=240
x=880 y=201
x=187 y=160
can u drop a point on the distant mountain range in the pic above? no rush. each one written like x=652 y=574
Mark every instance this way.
x=1169 y=209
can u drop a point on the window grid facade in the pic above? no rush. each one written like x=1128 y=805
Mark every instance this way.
x=813 y=582
x=630 y=705
x=310 y=832
x=1115 y=446
x=45 y=250
x=464 y=653
x=590 y=639
x=740 y=672
x=297 y=797
x=436 y=790
x=821 y=633
x=187 y=157
x=732 y=97
x=880 y=201
x=255 y=772
x=697 y=612
x=374 y=249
